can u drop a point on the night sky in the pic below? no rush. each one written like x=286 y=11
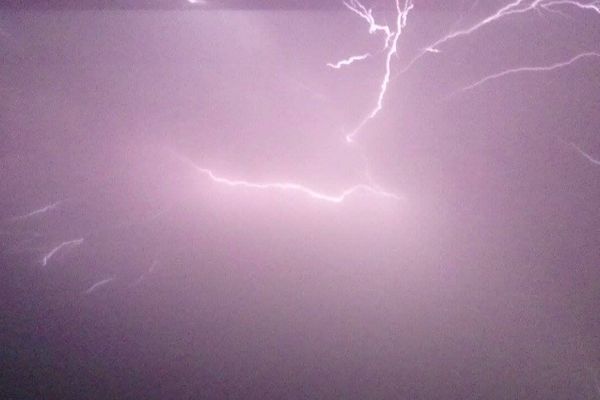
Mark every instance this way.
x=182 y=217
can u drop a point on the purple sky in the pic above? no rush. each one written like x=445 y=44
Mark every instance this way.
x=182 y=217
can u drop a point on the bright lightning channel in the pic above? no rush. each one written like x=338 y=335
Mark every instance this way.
x=391 y=45
x=294 y=187
x=392 y=36
x=367 y=14
x=348 y=61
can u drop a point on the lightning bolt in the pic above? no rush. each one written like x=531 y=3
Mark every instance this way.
x=391 y=44
x=293 y=187
x=67 y=244
x=391 y=35
x=517 y=70
x=97 y=285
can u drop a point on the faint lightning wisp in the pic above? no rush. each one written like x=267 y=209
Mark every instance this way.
x=392 y=48
x=67 y=244
x=348 y=61
x=591 y=159
x=39 y=211
x=517 y=70
x=142 y=276
x=294 y=187
x=98 y=284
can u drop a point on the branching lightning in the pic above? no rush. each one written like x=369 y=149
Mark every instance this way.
x=367 y=14
x=391 y=35
x=391 y=45
x=391 y=38
x=63 y=245
x=513 y=8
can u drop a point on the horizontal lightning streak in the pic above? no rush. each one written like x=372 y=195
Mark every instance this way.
x=288 y=186
x=55 y=250
x=545 y=68
x=293 y=187
x=348 y=61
